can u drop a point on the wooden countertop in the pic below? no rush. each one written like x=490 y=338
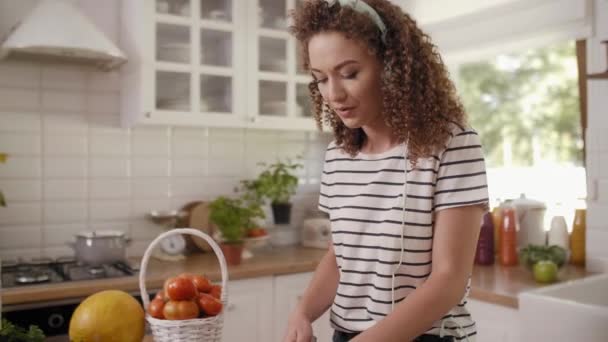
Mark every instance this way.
x=502 y=285
x=494 y=284
x=274 y=261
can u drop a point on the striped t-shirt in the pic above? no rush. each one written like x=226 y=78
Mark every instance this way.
x=363 y=197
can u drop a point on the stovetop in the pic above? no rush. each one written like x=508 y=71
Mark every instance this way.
x=45 y=270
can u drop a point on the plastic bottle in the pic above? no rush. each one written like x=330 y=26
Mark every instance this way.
x=485 y=245
x=558 y=235
x=577 y=238
x=508 y=243
x=497 y=219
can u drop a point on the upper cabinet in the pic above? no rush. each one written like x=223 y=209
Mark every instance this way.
x=222 y=63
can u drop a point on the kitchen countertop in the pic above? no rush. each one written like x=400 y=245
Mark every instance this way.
x=494 y=284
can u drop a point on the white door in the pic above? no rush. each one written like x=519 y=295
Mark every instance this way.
x=288 y=291
x=248 y=316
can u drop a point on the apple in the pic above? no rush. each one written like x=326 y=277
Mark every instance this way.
x=545 y=271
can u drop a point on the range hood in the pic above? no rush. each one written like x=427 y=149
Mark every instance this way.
x=55 y=30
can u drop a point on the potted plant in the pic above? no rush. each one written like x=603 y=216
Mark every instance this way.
x=278 y=183
x=233 y=216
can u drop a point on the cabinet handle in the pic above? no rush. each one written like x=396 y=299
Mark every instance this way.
x=254 y=119
x=231 y=307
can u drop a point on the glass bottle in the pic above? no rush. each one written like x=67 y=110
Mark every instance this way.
x=484 y=254
x=497 y=219
x=508 y=243
x=577 y=238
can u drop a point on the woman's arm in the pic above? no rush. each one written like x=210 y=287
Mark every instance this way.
x=454 y=244
x=317 y=298
x=321 y=290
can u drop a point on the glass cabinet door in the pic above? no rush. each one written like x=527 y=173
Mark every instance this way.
x=216 y=48
x=195 y=68
x=172 y=43
x=172 y=91
x=273 y=54
x=272 y=14
x=216 y=10
x=273 y=98
x=303 y=102
x=173 y=7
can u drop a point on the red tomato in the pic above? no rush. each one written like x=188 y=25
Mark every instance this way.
x=216 y=291
x=165 y=286
x=209 y=304
x=257 y=232
x=180 y=288
x=183 y=309
x=155 y=309
x=186 y=275
x=161 y=295
x=202 y=284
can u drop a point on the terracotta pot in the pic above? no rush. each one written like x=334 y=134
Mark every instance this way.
x=232 y=252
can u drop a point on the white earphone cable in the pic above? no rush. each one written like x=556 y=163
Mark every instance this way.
x=405 y=160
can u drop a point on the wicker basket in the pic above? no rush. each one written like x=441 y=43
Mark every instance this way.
x=200 y=329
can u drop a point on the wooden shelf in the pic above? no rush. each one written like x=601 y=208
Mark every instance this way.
x=601 y=75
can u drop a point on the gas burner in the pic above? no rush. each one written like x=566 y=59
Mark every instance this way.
x=10 y=263
x=40 y=261
x=65 y=259
x=97 y=271
x=32 y=278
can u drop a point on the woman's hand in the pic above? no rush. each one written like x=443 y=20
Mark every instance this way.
x=299 y=328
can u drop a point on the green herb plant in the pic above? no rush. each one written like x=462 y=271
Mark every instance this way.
x=233 y=216
x=9 y=332
x=277 y=182
x=532 y=254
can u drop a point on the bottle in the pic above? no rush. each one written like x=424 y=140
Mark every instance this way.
x=497 y=219
x=577 y=238
x=508 y=243
x=558 y=235
x=484 y=254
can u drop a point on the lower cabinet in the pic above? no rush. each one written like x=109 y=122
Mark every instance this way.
x=495 y=323
x=288 y=291
x=249 y=314
x=258 y=309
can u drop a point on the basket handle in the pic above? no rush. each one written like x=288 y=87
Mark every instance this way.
x=187 y=231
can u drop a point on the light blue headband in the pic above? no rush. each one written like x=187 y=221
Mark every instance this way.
x=362 y=7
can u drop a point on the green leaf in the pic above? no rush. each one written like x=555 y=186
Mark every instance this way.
x=2 y=201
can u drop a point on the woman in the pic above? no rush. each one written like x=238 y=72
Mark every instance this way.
x=399 y=265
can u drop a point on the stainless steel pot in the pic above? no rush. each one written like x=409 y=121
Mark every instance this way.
x=100 y=247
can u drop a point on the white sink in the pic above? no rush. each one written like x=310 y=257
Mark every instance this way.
x=570 y=311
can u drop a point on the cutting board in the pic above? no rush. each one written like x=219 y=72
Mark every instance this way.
x=198 y=218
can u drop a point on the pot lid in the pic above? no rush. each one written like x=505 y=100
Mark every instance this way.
x=101 y=234
x=526 y=203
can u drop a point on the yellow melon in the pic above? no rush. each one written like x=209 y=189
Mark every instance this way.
x=108 y=316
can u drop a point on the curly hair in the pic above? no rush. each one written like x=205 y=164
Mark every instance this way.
x=419 y=100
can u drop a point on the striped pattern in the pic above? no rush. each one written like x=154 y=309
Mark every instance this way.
x=364 y=199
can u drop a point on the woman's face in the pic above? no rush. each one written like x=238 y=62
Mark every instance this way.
x=348 y=77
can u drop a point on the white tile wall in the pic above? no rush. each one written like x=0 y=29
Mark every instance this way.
x=71 y=166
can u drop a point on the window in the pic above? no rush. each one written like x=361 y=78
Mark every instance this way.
x=525 y=106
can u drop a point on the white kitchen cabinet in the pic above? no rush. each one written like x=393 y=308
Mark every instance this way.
x=218 y=63
x=278 y=85
x=495 y=323
x=288 y=289
x=249 y=314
